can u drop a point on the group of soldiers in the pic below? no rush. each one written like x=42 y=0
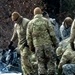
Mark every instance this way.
x=36 y=36
x=66 y=51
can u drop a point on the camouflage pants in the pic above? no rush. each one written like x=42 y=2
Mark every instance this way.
x=68 y=69
x=34 y=62
x=26 y=65
x=45 y=59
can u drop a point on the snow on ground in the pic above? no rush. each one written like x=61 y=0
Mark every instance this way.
x=10 y=73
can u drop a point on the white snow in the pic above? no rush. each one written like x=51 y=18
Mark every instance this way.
x=10 y=73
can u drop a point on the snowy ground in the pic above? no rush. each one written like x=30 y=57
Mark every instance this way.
x=4 y=68
x=10 y=73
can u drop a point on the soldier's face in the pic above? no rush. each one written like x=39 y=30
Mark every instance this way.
x=14 y=19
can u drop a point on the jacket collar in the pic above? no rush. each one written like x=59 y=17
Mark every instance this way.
x=38 y=16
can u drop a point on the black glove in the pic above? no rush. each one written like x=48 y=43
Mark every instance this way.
x=32 y=48
x=25 y=44
x=57 y=60
x=60 y=39
x=72 y=46
x=10 y=44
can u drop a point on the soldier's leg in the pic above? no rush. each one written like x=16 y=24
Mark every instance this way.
x=23 y=70
x=68 y=69
x=51 y=68
x=34 y=62
x=50 y=61
x=27 y=67
x=40 y=60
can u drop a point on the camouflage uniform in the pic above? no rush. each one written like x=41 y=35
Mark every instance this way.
x=63 y=45
x=38 y=32
x=72 y=36
x=20 y=32
x=67 y=62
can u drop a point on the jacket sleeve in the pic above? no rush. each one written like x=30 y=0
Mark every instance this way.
x=14 y=36
x=29 y=35
x=61 y=31
x=72 y=36
x=50 y=29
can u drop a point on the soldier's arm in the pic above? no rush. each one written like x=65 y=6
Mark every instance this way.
x=14 y=36
x=29 y=36
x=72 y=35
x=52 y=34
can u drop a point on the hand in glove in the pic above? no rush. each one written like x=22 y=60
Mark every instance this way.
x=72 y=46
x=32 y=48
x=10 y=45
x=26 y=45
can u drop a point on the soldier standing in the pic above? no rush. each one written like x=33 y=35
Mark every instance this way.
x=20 y=34
x=42 y=37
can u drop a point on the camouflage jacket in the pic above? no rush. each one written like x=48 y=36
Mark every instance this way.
x=20 y=32
x=68 y=57
x=63 y=45
x=38 y=32
x=72 y=36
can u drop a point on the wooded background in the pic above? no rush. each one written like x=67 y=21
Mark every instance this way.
x=58 y=9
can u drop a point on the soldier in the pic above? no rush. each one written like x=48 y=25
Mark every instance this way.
x=67 y=62
x=42 y=37
x=20 y=34
x=63 y=46
x=65 y=28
